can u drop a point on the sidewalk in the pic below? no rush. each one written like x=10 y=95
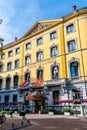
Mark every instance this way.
x=17 y=123
x=14 y=123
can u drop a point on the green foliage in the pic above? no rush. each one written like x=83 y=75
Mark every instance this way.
x=3 y=112
x=9 y=112
x=67 y=110
x=22 y=113
x=51 y=110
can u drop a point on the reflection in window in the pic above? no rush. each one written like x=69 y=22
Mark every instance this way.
x=55 y=73
x=17 y=51
x=54 y=51
x=27 y=60
x=27 y=77
x=9 y=65
x=53 y=35
x=39 y=56
x=71 y=46
x=1 y=68
x=28 y=46
x=39 y=41
x=16 y=63
x=70 y=28
x=40 y=74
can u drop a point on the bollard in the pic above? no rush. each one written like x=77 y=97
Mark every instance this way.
x=12 y=125
x=28 y=121
x=22 y=123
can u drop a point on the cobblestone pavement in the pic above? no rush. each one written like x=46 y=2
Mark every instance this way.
x=46 y=122
x=57 y=123
x=13 y=122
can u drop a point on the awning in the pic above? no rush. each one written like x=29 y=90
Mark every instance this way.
x=69 y=101
x=61 y=101
x=31 y=97
x=13 y=103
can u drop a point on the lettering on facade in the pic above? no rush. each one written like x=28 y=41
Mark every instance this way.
x=42 y=64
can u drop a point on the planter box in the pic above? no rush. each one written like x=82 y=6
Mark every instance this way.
x=66 y=113
x=51 y=113
x=22 y=117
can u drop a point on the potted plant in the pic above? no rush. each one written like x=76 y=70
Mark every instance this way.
x=10 y=113
x=67 y=111
x=51 y=111
x=22 y=114
x=3 y=112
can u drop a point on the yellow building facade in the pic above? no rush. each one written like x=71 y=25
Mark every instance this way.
x=54 y=50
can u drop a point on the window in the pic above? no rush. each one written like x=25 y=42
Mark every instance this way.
x=27 y=60
x=14 y=98
x=2 y=57
x=27 y=77
x=17 y=51
x=54 y=51
x=0 y=98
x=71 y=46
x=74 y=69
x=53 y=35
x=1 y=68
x=39 y=41
x=16 y=63
x=0 y=84
x=55 y=96
x=55 y=72
x=8 y=83
x=28 y=46
x=6 y=98
x=9 y=66
x=70 y=28
x=15 y=81
x=40 y=74
x=9 y=53
x=39 y=56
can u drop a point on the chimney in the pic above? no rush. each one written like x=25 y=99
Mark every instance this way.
x=74 y=8
x=15 y=39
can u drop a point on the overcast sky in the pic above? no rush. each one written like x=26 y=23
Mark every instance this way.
x=20 y=15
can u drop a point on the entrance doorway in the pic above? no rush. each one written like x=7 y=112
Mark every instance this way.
x=39 y=105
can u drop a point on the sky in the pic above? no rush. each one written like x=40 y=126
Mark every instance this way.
x=20 y=15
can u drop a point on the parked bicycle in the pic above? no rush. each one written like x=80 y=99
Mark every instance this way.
x=2 y=119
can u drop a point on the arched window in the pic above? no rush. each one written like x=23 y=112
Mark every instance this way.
x=8 y=79
x=15 y=81
x=74 y=69
x=0 y=84
x=55 y=72
x=27 y=76
x=40 y=74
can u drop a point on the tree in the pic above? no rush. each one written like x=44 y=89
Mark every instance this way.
x=1 y=48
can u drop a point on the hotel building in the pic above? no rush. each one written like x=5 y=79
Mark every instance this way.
x=53 y=50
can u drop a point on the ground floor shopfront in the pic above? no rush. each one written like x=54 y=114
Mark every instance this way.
x=53 y=93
